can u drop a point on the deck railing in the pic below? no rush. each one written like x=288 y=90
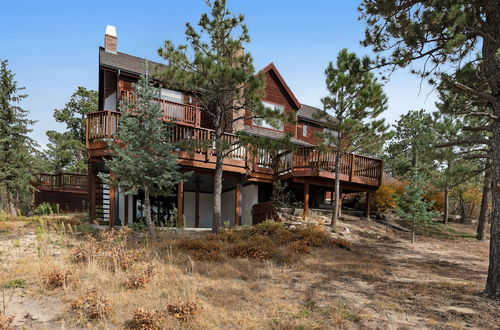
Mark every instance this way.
x=353 y=167
x=61 y=181
x=173 y=111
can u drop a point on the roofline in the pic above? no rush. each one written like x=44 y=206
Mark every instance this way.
x=271 y=66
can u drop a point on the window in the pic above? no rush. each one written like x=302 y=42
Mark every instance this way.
x=305 y=129
x=329 y=134
x=270 y=123
x=170 y=95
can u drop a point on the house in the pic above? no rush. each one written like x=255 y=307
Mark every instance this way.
x=248 y=176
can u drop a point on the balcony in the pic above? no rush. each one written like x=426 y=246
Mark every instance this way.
x=251 y=160
x=61 y=181
x=186 y=114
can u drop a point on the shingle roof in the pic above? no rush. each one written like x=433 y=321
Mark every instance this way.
x=125 y=62
x=272 y=134
x=307 y=112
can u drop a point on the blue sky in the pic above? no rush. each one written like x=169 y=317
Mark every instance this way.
x=52 y=46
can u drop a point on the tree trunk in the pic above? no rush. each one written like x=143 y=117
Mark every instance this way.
x=335 y=208
x=217 y=195
x=491 y=65
x=413 y=230
x=446 y=213
x=485 y=201
x=11 y=205
x=147 y=206
x=492 y=289
x=463 y=212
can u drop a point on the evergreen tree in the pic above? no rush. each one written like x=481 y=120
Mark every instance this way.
x=350 y=113
x=440 y=34
x=411 y=205
x=67 y=150
x=143 y=158
x=15 y=145
x=214 y=68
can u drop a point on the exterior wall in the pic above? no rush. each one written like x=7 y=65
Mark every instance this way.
x=276 y=93
x=249 y=197
x=312 y=131
x=69 y=201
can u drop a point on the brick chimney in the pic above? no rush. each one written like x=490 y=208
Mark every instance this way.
x=110 y=39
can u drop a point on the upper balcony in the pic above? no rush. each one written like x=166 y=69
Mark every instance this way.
x=256 y=162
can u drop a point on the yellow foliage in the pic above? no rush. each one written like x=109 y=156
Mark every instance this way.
x=384 y=198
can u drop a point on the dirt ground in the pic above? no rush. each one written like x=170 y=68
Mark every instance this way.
x=383 y=282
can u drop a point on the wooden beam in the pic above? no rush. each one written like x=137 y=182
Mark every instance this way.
x=237 y=204
x=112 y=204
x=180 y=204
x=368 y=204
x=125 y=214
x=306 y=200
x=92 y=192
x=197 y=203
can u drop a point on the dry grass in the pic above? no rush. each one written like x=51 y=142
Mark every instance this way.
x=6 y=321
x=264 y=277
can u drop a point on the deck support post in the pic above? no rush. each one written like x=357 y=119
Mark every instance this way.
x=180 y=204
x=237 y=203
x=368 y=205
x=306 y=201
x=92 y=192
x=197 y=203
x=112 y=203
x=125 y=213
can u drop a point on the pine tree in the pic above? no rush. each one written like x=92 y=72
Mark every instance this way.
x=351 y=109
x=67 y=150
x=411 y=205
x=440 y=34
x=214 y=68
x=143 y=157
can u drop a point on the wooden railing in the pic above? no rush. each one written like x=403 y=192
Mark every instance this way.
x=172 y=111
x=61 y=181
x=101 y=125
x=355 y=168
x=351 y=165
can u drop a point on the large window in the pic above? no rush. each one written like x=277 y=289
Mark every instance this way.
x=270 y=123
x=170 y=95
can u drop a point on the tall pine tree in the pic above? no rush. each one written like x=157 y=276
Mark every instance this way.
x=351 y=109
x=15 y=145
x=438 y=34
x=143 y=157
x=214 y=68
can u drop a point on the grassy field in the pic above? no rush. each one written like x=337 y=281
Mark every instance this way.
x=270 y=277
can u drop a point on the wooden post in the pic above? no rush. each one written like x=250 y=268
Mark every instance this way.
x=197 y=203
x=125 y=214
x=351 y=174
x=306 y=200
x=112 y=204
x=180 y=204
x=368 y=204
x=92 y=192
x=237 y=203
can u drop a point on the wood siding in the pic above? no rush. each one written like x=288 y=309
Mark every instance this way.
x=312 y=132
x=276 y=93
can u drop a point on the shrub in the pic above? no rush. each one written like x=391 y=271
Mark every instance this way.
x=57 y=279
x=6 y=321
x=139 y=280
x=46 y=208
x=299 y=246
x=202 y=249
x=314 y=235
x=16 y=283
x=342 y=243
x=145 y=320
x=259 y=247
x=91 y=306
x=182 y=311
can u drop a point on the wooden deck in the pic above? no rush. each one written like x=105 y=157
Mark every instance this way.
x=258 y=164
x=68 y=190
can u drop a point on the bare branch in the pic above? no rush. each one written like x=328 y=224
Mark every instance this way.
x=462 y=142
x=478 y=128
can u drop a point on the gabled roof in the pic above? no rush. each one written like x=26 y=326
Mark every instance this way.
x=308 y=113
x=272 y=67
x=125 y=62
